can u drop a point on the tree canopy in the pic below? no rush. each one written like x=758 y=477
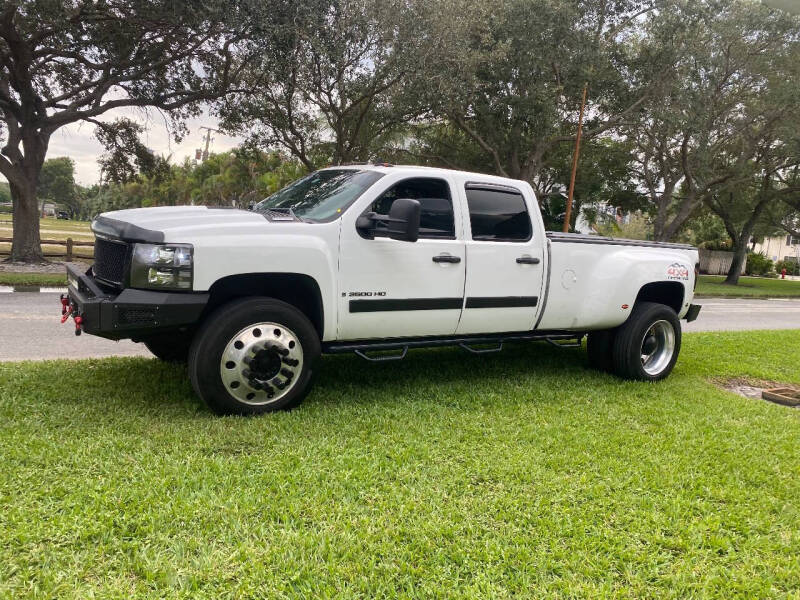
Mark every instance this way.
x=690 y=122
x=70 y=61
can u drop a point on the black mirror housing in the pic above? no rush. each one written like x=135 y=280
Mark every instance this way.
x=402 y=222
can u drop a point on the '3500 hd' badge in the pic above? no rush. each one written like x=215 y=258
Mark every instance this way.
x=678 y=272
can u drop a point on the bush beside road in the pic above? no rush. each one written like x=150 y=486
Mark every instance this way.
x=444 y=475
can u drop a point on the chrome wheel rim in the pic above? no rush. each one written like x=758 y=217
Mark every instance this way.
x=261 y=363
x=657 y=347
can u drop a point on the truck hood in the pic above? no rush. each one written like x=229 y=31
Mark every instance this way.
x=170 y=223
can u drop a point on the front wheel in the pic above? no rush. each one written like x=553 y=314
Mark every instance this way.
x=646 y=346
x=252 y=356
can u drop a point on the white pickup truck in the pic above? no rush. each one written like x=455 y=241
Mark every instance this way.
x=373 y=260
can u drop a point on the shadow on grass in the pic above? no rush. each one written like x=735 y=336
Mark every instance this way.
x=445 y=366
x=140 y=384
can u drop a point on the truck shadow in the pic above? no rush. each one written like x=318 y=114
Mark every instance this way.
x=424 y=371
x=136 y=385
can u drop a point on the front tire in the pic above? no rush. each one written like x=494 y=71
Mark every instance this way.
x=647 y=345
x=252 y=356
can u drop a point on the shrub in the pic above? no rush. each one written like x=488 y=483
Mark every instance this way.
x=758 y=264
x=792 y=266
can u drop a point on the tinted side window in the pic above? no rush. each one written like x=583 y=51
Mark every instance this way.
x=436 y=205
x=498 y=215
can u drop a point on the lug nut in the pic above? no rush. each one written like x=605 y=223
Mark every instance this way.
x=287 y=373
x=292 y=362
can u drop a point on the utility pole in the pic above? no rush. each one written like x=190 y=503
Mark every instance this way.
x=208 y=140
x=568 y=213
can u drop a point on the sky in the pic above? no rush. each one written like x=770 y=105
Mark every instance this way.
x=77 y=141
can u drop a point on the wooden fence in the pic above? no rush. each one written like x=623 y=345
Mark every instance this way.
x=717 y=262
x=69 y=252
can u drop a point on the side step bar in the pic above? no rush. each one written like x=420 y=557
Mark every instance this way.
x=402 y=345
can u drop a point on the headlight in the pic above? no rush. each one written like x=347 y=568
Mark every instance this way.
x=162 y=266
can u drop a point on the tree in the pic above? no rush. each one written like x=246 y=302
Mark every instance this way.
x=753 y=147
x=57 y=183
x=604 y=183
x=510 y=74
x=69 y=61
x=724 y=99
x=126 y=156
x=329 y=98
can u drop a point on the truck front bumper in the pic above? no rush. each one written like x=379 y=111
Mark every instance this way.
x=129 y=313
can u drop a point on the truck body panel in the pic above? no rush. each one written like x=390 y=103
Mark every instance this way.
x=384 y=288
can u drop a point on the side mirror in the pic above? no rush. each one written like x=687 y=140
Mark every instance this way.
x=402 y=223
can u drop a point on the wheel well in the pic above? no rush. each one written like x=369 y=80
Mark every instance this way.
x=669 y=293
x=301 y=291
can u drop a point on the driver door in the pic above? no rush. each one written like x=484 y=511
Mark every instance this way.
x=391 y=288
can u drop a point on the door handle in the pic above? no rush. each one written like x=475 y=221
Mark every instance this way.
x=446 y=258
x=528 y=260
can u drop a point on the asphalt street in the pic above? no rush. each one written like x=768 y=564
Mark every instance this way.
x=30 y=327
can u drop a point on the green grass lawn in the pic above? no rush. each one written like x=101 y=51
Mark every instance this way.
x=41 y=279
x=52 y=229
x=446 y=475
x=49 y=224
x=749 y=287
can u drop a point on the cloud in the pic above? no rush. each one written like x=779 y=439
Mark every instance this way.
x=77 y=140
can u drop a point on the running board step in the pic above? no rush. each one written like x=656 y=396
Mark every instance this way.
x=568 y=339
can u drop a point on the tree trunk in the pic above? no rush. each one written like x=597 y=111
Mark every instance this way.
x=660 y=222
x=26 y=245
x=739 y=256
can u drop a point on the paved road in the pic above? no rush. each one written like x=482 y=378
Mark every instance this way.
x=30 y=328
x=730 y=314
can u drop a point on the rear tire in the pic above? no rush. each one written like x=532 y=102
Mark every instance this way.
x=647 y=345
x=599 y=348
x=253 y=356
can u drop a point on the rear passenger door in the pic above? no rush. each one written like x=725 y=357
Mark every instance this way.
x=505 y=262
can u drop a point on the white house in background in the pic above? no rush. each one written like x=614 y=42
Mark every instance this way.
x=785 y=247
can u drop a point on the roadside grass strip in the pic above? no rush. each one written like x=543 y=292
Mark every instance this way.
x=34 y=279
x=445 y=475
x=749 y=287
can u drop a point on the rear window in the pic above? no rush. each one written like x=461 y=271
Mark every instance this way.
x=498 y=215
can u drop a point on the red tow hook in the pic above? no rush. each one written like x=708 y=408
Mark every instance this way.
x=66 y=308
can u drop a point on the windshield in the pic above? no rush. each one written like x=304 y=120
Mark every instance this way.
x=321 y=196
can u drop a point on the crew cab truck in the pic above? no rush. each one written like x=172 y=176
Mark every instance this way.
x=373 y=260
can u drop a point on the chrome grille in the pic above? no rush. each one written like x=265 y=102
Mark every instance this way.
x=110 y=260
